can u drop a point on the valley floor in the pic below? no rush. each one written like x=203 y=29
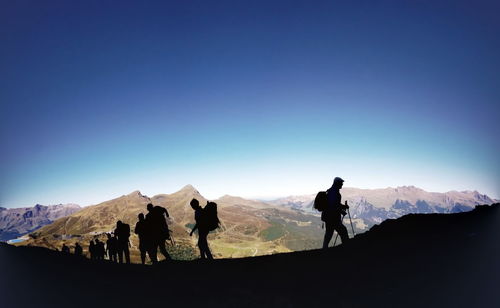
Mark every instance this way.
x=434 y=260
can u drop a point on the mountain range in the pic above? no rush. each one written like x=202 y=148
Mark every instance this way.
x=419 y=260
x=375 y=205
x=16 y=222
x=249 y=227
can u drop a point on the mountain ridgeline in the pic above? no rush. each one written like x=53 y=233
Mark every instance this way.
x=248 y=227
x=373 y=206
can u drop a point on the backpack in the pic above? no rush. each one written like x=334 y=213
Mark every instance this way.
x=321 y=201
x=211 y=221
x=124 y=232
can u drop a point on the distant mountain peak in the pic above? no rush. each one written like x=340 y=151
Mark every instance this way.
x=137 y=193
x=228 y=197
x=409 y=188
x=189 y=187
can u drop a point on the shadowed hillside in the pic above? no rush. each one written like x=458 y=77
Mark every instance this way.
x=419 y=260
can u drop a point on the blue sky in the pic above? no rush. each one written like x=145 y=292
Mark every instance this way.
x=255 y=99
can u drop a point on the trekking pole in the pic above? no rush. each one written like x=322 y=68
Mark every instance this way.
x=348 y=212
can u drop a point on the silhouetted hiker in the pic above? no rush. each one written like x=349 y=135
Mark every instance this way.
x=206 y=221
x=99 y=249
x=78 y=250
x=332 y=214
x=111 y=248
x=143 y=230
x=92 y=250
x=65 y=248
x=97 y=252
x=122 y=232
x=157 y=222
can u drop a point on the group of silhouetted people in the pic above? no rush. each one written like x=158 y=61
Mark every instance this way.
x=78 y=251
x=153 y=232
x=96 y=250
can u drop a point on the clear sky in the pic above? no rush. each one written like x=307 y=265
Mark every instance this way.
x=258 y=99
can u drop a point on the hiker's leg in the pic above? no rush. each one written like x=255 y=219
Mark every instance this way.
x=152 y=254
x=204 y=245
x=143 y=256
x=120 y=254
x=342 y=230
x=163 y=250
x=328 y=234
x=208 y=254
x=200 y=246
x=127 y=254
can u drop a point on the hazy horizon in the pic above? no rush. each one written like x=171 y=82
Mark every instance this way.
x=257 y=99
x=215 y=197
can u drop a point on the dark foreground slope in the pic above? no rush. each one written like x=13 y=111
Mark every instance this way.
x=434 y=260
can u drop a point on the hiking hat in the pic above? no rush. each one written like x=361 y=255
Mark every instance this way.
x=337 y=180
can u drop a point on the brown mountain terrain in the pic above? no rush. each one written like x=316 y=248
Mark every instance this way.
x=248 y=228
x=419 y=260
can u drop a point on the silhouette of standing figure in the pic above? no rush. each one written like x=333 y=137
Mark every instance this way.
x=143 y=230
x=156 y=221
x=111 y=247
x=92 y=250
x=65 y=248
x=202 y=230
x=122 y=233
x=332 y=215
x=78 y=250
x=99 y=249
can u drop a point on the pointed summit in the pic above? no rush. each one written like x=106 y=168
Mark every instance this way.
x=188 y=188
x=135 y=194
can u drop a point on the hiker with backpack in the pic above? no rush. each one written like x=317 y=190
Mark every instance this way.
x=332 y=210
x=122 y=233
x=156 y=221
x=111 y=248
x=206 y=221
x=143 y=230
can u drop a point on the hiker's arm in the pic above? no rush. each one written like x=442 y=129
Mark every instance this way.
x=166 y=212
x=194 y=228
